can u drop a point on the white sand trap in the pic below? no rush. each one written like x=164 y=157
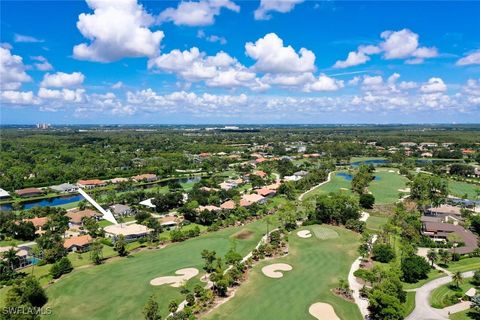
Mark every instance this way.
x=304 y=234
x=176 y=281
x=323 y=311
x=346 y=189
x=404 y=190
x=274 y=270
x=391 y=170
x=364 y=216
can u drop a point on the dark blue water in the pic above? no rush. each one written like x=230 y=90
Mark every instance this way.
x=368 y=162
x=77 y=197
x=349 y=177
x=46 y=202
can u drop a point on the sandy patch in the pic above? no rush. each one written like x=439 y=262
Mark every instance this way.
x=346 y=189
x=404 y=190
x=176 y=281
x=391 y=170
x=364 y=216
x=274 y=270
x=304 y=234
x=323 y=311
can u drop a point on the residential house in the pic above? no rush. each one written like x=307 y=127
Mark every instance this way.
x=169 y=222
x=207 y=208
x=249 y=199
x=147 y=177
x=120 y=210
x=64 y=187
x=131 y=232
x=22 y=255
x=90 y=184
x=408 y=144
x=78 y=244
x=292 y=178
x=228 y=205
x=427 y=155
x=38 y=223
x=76 y=217
x=29 y=192
x=439 y=232
x=301 y=173
x=118 y=180
x=260 y=173
x=264 y=192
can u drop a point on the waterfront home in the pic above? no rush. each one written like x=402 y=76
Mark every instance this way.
x=4 y=194
x=90 y=184
x=78 y=244
x=121 y=210
x=76 y=217
x=131 y=232
x=147 y=177
x=64 y=187
x=29 y=192
x=38 y=223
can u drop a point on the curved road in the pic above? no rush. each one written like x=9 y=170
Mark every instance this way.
x=424 y=311
x=300 y=197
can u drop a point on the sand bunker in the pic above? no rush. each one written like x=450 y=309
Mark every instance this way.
x=391 y=170
x=323 y=311
x=346 y=189
x=274 y=270
x=404 y=190
x=176 y=281
x=304 y=234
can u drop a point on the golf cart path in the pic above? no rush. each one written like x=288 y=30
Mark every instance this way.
x=300 y=197
x=424 y=311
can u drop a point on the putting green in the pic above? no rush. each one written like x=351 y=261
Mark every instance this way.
x=324 y=233
x=317 y=267
x=119 y=289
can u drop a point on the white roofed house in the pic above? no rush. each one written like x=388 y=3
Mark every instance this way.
x=64 y=187
x=131 y=232
x=121 y=210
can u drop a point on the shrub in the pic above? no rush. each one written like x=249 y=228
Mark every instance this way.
x=366 y=200
x=62 y=266
x=383 y=253
x=414 y=268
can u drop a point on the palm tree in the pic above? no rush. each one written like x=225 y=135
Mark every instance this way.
x=444 y=255
x=457 y=278
x=11 y=257
x=432 y=256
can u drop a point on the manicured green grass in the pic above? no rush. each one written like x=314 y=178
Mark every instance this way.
x=459 y=189
x=10 y=242
x=410 y=303
x=463 y=315
x=385 y=189
x=466 y=264
x=375 y=223
x=317 y=267
x=440 y=297
x=432 y=275
x=120 y=288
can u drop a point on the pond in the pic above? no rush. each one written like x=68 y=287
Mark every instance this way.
x=66 y=199
x=349 y=177
x=368 y=162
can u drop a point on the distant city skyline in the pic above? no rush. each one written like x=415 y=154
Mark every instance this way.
x=239 y=62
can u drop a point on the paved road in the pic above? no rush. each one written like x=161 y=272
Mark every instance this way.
x=423 y=310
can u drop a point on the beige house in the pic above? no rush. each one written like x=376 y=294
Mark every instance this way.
x=131 y=232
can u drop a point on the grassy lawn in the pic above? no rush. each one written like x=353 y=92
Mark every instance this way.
x=119 y=289
x=464 y=315
x=467 y=264
x=442 y=296
x=459 y=188
x=317 y=266
x=410 y=303
x=375 y=223
x=385 y=189
x=10 y=242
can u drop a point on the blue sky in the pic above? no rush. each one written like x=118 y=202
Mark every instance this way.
x=229 y=61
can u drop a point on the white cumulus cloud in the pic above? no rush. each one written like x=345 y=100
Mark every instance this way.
x=196 y=13
x=12 y=70
x=273 y=57
x=469 y=59
x=117 y=29
x=267 y=6
x=434 y=85
x=62 y=79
